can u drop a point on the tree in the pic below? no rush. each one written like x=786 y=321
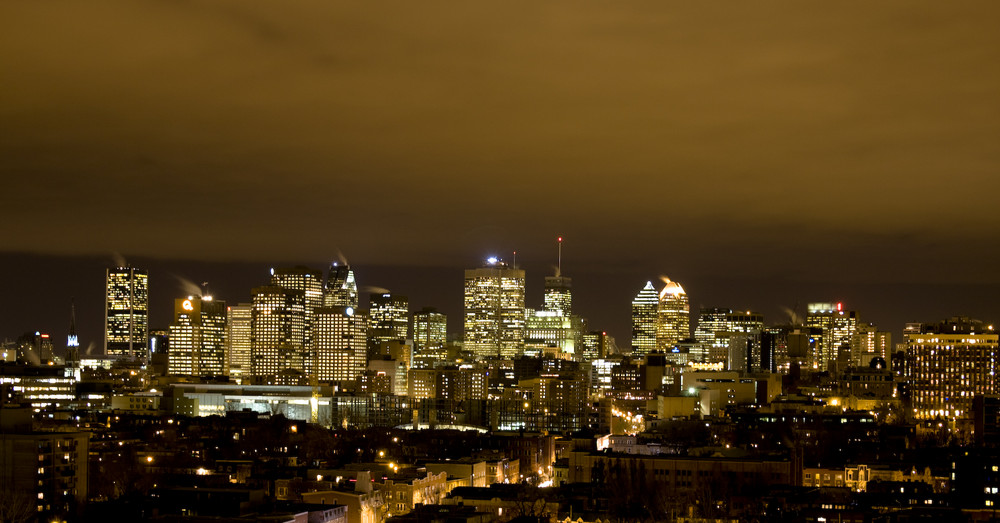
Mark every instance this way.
x=119 y=474
x=16 y=505
x=531 y=501
x=319 y=444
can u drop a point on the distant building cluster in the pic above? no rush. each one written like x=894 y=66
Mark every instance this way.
x=304 y=401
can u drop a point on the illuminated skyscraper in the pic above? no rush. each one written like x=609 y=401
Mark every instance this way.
x=948 y=364
x=277 y=332
x=310 y=283
x=238 y=335
x=713 y=332
x=711 y=324
x=388 y=319
x=551 y=331
x=494 y=310
x=340 y=290
x=430 y=333
x=198 y=337
x=744 y=341
x=717 y=327
x=838 y=328
x=644 y=320
x=748 y=324
x=745 y=322
x=673 y=321
x=126 y=323
x=559 y=290
x=559 y=294
x=596 y=345
x=340 y=344
x=554 y=329
x=869 y=342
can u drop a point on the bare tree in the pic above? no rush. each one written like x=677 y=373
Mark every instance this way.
x=16 y=506
x=531 y=501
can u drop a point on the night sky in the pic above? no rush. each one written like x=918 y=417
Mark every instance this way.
x=763 y=154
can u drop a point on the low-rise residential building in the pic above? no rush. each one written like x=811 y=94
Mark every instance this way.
x=471 y=469
x=404 y=490
x=364 y=504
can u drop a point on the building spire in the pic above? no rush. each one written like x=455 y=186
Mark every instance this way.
x=71 y=339
x=559 y=265
x=72 y=315
x=72 y=342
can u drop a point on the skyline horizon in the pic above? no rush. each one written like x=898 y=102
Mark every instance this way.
x=759 y=157
x=421 y=288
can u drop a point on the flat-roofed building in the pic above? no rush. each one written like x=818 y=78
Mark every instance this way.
x=45 y=470
x=948 y=364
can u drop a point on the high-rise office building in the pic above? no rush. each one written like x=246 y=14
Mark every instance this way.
x=596 y=345
x=717 y=329
x=126 y=316
x=430 y=333
x=559 y=294
x=549 y=331
x=340 y=344
x=340 y=290
x=238 y=346
x=673 y=322
x=869 y=342
x=198 y=337
x=838 y=328
x=745 y=322
x=713 y=332
x=277 y=332
x=948 y=364
x=388 y=319
x=310 y=283
x=712 y=324
x=559 y=289
x=494 y=310
x=745 y=328
x=769 y=342
x=448 y=383
x=644 y=320
x=554 y=329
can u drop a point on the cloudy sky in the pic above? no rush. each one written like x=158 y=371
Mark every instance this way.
x=763 y=154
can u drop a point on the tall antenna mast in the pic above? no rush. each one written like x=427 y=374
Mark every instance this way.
x=559 y=266
x=514 y=264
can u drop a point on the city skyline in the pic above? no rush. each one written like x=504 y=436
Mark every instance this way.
x=381 y=262
x=889 y=307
